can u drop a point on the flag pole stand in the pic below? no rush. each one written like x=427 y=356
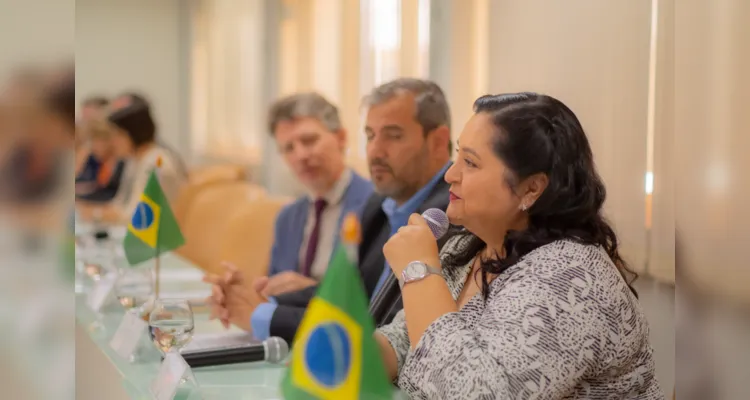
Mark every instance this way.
x=157 y=265
x=152 y=303
x=157 y=276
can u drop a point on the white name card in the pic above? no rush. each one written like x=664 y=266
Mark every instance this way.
x=101 y=291
x=172 y=370
x=128 y=335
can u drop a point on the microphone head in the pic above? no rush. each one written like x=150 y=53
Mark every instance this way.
x=437 y=221
x=276 y=349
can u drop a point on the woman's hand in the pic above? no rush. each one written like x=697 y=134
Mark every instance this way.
x=425 y=300
x=413 y=242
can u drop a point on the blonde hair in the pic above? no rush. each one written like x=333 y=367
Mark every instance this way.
x=97 y=128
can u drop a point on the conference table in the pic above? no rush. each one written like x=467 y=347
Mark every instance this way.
x=99 y=367
x=178 y=278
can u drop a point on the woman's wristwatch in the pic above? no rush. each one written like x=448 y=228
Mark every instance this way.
x=416 y=271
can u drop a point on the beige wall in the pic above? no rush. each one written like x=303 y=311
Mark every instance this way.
x=712 y=139
x=35 y=31
x=593 y=56
x=463 y=47
x=138 y=45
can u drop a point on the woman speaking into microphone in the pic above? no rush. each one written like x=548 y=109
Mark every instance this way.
x=531 y=298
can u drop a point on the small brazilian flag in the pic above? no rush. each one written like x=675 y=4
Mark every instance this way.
x=335 y=355
x=153 y=228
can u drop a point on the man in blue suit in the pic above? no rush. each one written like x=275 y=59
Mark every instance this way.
x=312 y=141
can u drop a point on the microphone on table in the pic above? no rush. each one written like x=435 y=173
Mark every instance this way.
x=273 y=350
x=101 y=235
x=384 y=301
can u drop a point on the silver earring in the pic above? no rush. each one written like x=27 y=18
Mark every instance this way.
x=523 y=206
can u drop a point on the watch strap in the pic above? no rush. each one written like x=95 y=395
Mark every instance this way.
x=430 y=271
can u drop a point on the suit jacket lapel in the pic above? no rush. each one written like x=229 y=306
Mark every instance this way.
x=297 y=235
x=374 y=235
x=354 y=197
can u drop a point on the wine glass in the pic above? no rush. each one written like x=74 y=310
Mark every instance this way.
x=171 y=324
x=134 y=288
x=93 y=271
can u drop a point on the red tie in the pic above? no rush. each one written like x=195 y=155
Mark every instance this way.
x=312 y=243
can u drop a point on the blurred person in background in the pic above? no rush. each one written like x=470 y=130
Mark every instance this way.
x=35 y=180
x=98 y=179
x=19 y=103
x=532 y=298
x=61 y=104
x=408 y=151
x=135 y=141
x=309 y=135
x=92 y=108
x=42 y=131
x=311 y=139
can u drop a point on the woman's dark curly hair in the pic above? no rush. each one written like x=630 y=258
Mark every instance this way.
x=136 y=120
x=535 y=134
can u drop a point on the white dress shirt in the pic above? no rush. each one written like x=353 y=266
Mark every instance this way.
x=329 y=224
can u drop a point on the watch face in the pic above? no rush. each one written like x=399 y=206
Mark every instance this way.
x=416 y=270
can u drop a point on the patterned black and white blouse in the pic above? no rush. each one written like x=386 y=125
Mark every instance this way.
x=560 y=324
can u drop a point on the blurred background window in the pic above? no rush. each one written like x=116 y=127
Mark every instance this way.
x=227 y=70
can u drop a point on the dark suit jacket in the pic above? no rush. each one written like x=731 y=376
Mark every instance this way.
x=103 y=193
x=290 y=223
x=375 y=232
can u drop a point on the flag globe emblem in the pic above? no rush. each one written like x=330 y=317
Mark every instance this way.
x=143 y=217
x=328 y=355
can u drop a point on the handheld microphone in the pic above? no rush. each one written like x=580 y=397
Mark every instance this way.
x=389 y=293
x=437 y=221
x=273 y=350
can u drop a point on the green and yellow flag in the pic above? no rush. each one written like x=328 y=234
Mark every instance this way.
x=334 y=355
x=153 y=228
